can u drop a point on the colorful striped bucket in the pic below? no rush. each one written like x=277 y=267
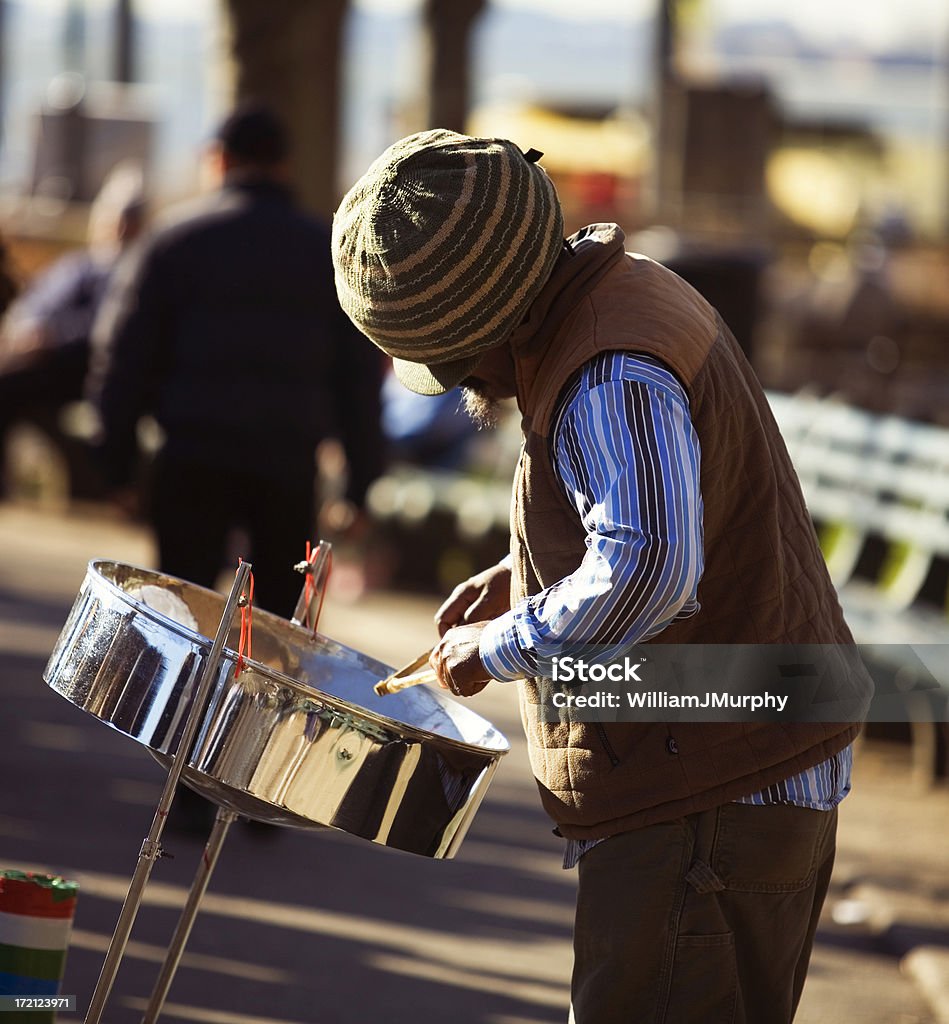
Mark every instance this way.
x=36 y=913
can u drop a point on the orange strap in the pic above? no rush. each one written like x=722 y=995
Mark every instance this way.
x=326 y=579
x=308 y=585
x=246 y=641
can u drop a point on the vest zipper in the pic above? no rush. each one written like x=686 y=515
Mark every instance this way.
x=607 y=746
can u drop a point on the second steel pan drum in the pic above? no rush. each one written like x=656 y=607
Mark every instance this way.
x=297 y=737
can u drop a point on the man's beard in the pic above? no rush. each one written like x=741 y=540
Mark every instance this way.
x=483 y=410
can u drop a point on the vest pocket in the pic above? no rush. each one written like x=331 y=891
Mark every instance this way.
x=605 y=741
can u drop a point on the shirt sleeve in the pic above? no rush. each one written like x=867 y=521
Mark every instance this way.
x=628 y=457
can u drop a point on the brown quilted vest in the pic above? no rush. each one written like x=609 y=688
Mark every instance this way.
x=764 y=580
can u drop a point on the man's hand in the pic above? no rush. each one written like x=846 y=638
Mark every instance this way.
x=456 y=661
x=485 y=596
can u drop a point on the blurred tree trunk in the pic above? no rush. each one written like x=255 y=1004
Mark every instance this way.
x=287 y=53
x=663 y=81
x=672 y=17
x=74 y=37
x=448 y=25
x=3 y=68
x=123 y=53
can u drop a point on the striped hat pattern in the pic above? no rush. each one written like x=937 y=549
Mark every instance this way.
x=440 y=248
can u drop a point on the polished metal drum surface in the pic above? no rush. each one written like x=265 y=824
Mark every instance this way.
x=298 y=737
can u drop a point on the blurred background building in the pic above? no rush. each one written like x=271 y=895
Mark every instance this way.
x=787 y=153
x=791 y=161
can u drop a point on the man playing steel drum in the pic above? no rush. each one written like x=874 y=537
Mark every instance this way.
x=654 y=500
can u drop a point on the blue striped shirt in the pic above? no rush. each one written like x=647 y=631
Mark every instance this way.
x=627 y=454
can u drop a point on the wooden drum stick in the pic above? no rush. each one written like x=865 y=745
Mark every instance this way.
x=413 y=674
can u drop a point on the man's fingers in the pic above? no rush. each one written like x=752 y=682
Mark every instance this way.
x=434 y=659
x=448 y=616
x=479 y=610
x=452 y=612
x=437 y=662
x=457 y=662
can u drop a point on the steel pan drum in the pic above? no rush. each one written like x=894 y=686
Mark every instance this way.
x=298 y=737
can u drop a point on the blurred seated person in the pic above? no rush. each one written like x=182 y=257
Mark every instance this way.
x=44 y=347
x=431 y=432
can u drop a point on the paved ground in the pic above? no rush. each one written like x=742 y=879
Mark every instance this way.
x=323 y=928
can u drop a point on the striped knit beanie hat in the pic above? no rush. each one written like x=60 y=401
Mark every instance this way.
x=441 y=247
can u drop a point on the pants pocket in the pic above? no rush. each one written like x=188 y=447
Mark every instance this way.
x=704 y=984
x=776 y=848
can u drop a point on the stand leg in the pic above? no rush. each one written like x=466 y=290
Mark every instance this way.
x=222 y=822
x=151 y=847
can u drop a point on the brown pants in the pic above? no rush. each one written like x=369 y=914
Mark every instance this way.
x=707 y=919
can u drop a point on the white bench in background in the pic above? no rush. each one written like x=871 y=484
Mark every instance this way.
x=877 y=488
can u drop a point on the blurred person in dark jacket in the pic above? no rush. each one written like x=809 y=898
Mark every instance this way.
x=224 y=325
x=44 y=356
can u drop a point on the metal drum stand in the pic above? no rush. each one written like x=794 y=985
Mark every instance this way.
x=222 y=822
x=135 y=653
x=316 y=569
x=151 y=847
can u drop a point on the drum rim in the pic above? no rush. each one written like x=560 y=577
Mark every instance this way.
x=351 y=709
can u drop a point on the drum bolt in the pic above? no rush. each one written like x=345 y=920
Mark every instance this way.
x=242 y=602
x=344 y=754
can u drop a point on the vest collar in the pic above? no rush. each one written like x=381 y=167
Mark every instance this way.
x=586 y=257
